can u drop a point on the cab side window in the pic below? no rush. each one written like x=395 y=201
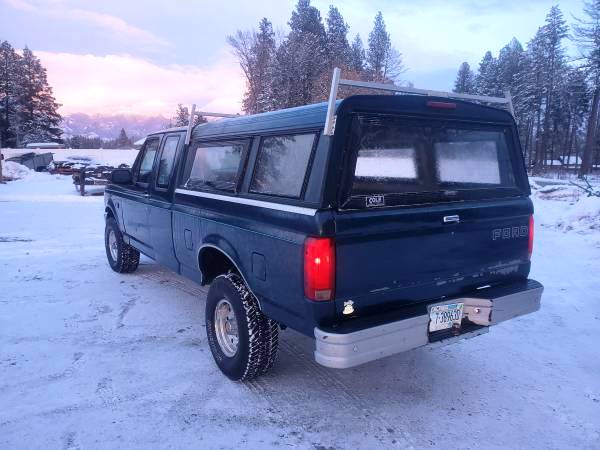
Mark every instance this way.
x=214 y=166
x=166 y=161
x=147 y=162
x=282 y=164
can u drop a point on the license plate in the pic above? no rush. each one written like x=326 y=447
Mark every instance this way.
x=442 y=317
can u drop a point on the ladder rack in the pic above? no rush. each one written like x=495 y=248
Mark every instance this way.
x=194 y=113
x=337 y=81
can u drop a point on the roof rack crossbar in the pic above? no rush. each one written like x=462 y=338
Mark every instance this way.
x=337 y=81
x=194 y=113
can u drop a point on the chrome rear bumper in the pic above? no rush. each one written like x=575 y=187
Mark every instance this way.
x=494 y=305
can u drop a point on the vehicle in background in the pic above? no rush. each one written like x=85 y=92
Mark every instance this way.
x=34 y=161
x=44 y=145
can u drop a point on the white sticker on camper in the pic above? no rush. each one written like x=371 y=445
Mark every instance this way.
x=375 y=200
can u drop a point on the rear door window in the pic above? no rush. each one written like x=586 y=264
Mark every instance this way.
x=166 y=162
x=282 y=164
x=144 y=170
x=411 y=160
x=214 y=166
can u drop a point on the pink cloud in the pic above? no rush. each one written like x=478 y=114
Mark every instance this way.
x=124 y=84
x=57 y=10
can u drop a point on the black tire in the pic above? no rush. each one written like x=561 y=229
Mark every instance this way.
x=127 y=258
x=258 y=336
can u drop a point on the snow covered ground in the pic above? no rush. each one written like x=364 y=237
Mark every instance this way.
x=93 y=359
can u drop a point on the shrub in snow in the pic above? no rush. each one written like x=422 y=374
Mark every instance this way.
x=558 y=192
x=583 y=216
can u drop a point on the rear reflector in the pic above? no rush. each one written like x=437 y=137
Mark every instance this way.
x=530 y=247
x=441 y=105
x=319 y=268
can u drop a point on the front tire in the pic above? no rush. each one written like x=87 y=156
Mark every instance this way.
x=243 y=341
x=122 y=258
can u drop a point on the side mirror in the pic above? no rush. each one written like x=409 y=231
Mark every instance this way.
x=121 y=176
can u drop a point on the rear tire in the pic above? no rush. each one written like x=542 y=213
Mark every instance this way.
x=243 y=341
x=122 y=258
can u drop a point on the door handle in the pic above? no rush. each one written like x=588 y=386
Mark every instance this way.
x=146 y=195
x=452 y=219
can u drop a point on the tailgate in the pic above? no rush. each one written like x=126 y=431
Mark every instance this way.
x=403 y=256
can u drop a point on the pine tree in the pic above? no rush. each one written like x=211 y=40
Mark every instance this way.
x=574 y=103
x=123 y=141
x=488 y=76
x=379 y=46
x=300 y=61
x=554 y=31
x=587 y=37
x=39 y=119
x=357 y=55
x=9 y=94
x=182 y=117
x=384 y=62
x=264 y=54
x=550 y=98
x=510 y=60
x=338 y=48
x=465 y=80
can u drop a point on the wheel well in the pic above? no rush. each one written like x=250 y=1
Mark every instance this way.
x=213 y=262
x=109 y=213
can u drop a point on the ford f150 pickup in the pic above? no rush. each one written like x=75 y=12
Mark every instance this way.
x=405 y=223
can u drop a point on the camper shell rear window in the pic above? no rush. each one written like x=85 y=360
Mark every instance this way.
x=397 y=160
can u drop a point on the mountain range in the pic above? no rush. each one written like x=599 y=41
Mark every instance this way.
x=108 y=126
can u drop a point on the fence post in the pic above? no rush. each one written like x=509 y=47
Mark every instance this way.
x=1 y=157
x=82 y=181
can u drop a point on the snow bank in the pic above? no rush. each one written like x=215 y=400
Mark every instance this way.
x=15 y=171
x=583 y=216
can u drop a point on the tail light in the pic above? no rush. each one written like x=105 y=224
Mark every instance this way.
x=319 y=268
x=530 y=247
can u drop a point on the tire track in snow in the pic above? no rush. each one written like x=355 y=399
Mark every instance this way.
x=353 y=408
x=285 y=400
x=169 y=279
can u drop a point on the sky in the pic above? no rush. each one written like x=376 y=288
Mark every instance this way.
x=145 y=57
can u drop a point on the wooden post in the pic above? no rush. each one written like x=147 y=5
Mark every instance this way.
x=1 y=157
x=82 y=181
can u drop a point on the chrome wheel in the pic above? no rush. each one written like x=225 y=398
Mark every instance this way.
x=226 y=328
x=113 y=245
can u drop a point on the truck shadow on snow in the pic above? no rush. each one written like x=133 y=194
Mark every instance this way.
x=379 y=392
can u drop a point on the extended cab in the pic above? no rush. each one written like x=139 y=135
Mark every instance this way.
x=408 y=224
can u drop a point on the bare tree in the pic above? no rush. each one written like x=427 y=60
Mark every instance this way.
x=255 y=51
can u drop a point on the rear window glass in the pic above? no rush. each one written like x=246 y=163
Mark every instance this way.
x=386 y=163
x=212 y=166
x=281 y=165
x=401 y=156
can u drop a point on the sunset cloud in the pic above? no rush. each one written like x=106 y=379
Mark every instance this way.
x=107 y=22
x=118 y=55
x=122 y=84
